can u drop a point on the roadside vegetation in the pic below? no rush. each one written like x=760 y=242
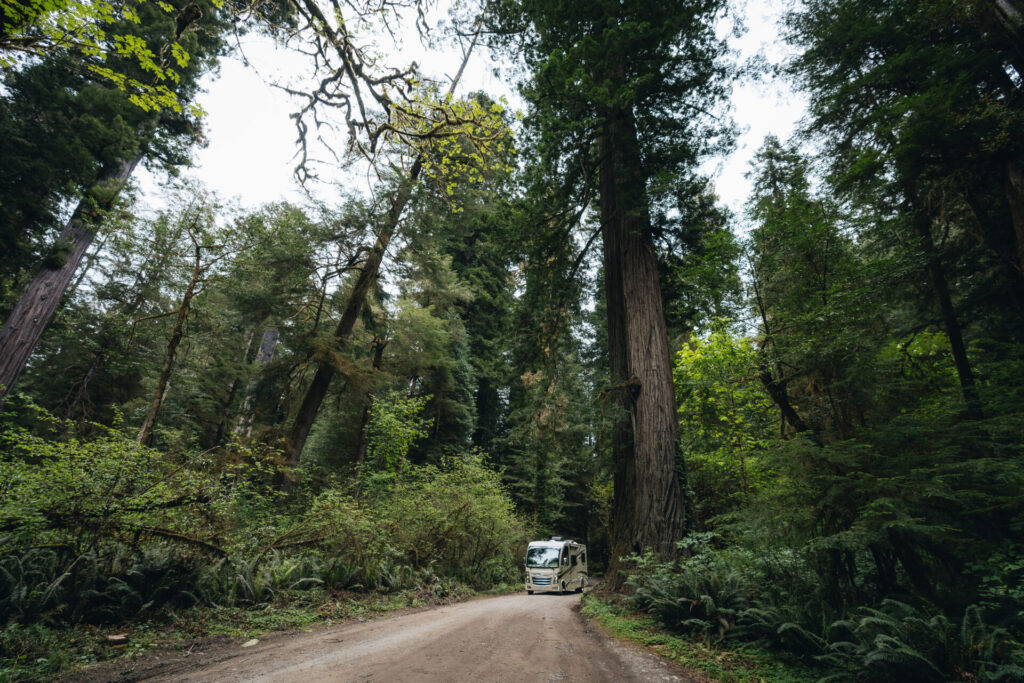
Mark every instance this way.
x=720 y=662
x=101 y=535
x=792 y=434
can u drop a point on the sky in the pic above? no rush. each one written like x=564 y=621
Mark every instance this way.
x=249 y=157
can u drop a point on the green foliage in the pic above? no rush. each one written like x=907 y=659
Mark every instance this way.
x=99 y=530
x=458 y=520
x=899 y=640
x=733 y=664
x=735 y=596
x=88 y=489
x=98 y=30
x=726 y=421
x=395 y=426
x=63 y=127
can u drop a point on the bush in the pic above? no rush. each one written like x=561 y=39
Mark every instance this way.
x=715 y=595
x=103 y=530
x=458 y=519
x=898 y=641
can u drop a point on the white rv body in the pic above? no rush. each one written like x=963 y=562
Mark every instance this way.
x=555 y=566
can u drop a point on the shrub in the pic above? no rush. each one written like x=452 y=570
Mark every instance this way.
x=458 y=518
x=734 y=594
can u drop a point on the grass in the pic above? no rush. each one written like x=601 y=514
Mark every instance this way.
x=743 y=664
x=36 y=653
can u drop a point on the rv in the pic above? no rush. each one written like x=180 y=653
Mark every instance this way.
x=557 y=565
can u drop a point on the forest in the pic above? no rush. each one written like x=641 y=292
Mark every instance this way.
x=797 y=428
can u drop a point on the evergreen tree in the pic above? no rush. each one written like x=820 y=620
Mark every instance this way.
x=918 y=103
x=616 y=96
x=118 y=137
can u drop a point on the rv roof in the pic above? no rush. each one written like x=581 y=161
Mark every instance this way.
x=552 y=544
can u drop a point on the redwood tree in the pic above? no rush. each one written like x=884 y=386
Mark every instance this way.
x=619 y=101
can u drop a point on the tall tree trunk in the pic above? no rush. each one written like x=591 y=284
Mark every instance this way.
x=940 y=287
x=364 y=284
x=229 y=400
x=648 y=506
x=146 y=430
x=317 y=390
x=379 y=343
x=38 y=303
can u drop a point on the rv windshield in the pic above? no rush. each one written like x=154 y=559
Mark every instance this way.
x=542 y=557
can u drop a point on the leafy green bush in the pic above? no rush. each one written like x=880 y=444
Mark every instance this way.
x=714 y=595
x=701 y=596
x=457 y=517
x=100 y=530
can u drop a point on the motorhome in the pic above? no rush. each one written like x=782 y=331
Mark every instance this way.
x=557 y=565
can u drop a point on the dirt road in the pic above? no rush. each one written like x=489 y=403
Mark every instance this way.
x=508 y=638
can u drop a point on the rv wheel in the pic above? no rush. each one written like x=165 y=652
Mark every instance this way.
x=563 y=586
x=580 y=589
x=529 y=592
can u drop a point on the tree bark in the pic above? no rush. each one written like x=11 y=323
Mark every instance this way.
x=38 y=303
x=648 y=506
x=922 y=224
x=364 y=284
x=146 y=430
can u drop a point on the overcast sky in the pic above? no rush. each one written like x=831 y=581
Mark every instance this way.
x=252 y=141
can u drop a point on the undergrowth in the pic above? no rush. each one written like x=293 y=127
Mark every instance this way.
x=742 y=663
x=730 y=599
x=99 y=534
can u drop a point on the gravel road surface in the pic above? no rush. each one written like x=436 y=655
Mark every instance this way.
x=509 y=638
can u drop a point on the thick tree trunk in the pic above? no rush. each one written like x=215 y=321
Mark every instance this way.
x=648 y=507
x=364 y=284
x=38 y=303
x=146 y=430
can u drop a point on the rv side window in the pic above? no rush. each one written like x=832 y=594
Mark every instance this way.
x=574 y=560
x=583 y=558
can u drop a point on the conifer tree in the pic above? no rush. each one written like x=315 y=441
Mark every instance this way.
x=105 y=164
x=618 y=97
